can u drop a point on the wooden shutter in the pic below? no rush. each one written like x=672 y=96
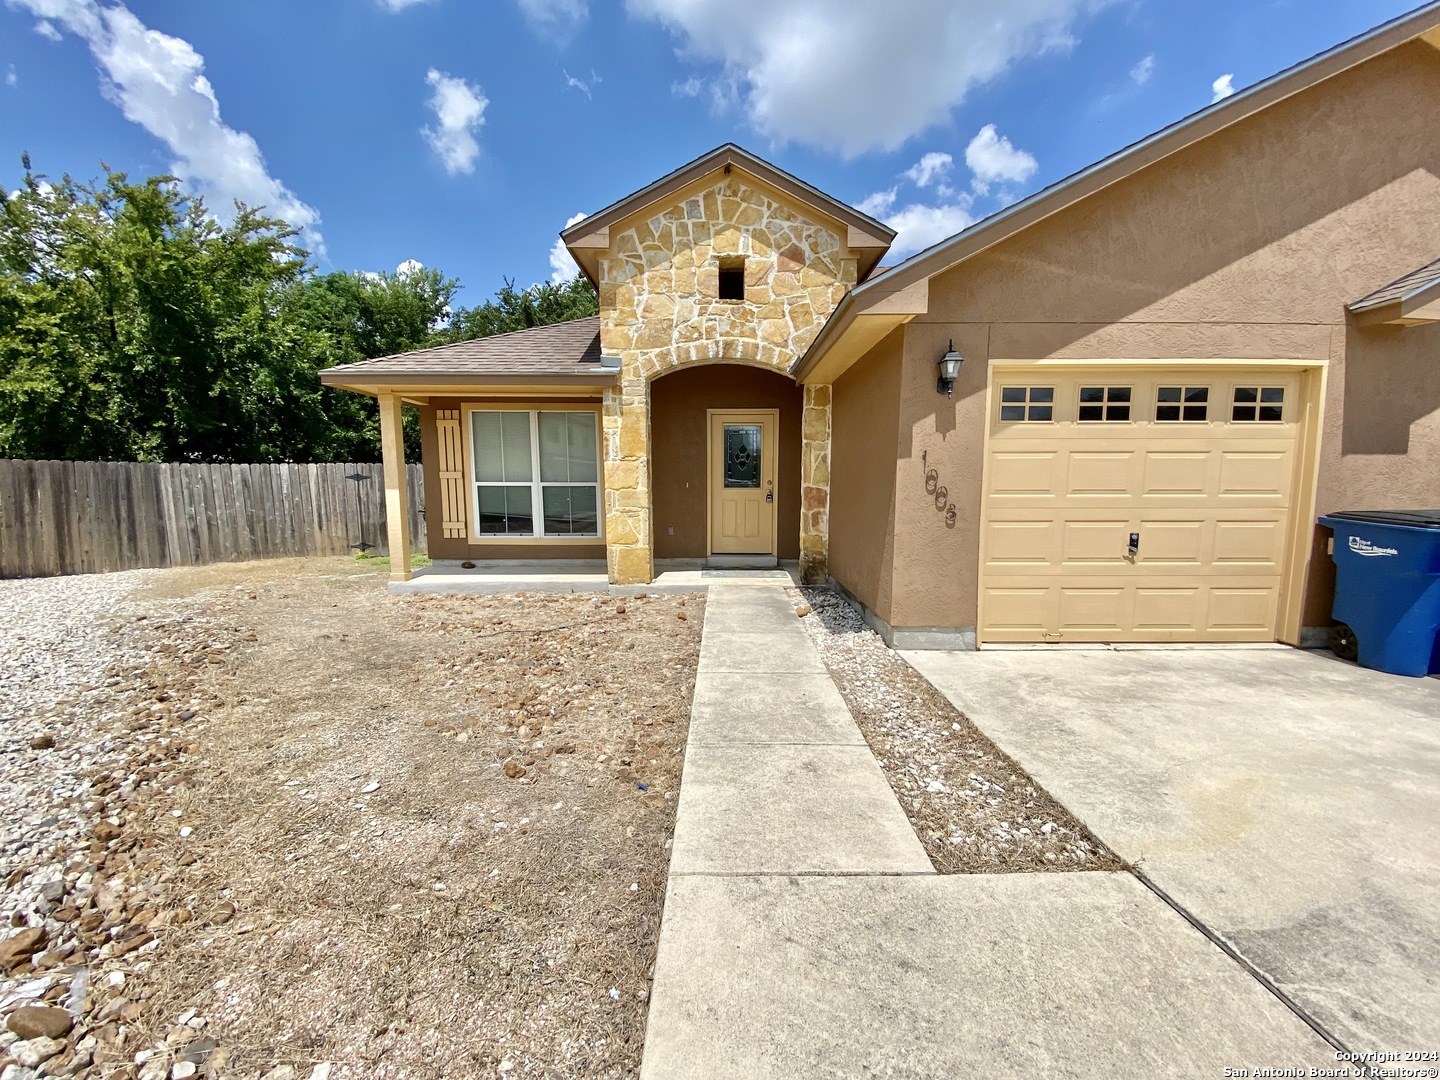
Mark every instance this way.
x=452 y=475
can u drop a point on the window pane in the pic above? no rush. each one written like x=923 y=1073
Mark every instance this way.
x=502 y=446
x=1012 y=393
x=1244 y=394
x=570 y=511
x=1041 y=412
x=1243 y=412
x=1196 y=412
x=1042 y=393
x=1092 y=412
x=1168 y=393
x=1012 y=412
x=1273 y=394
x=1118 y=412
x=742 y=455
x=1167 y=412
x=1092 y=393
x=506 y=511
x=1197 y=393
x=1119 y=393
x=584 y=448
x=1271 y=413
x=554 y=447
x=567 y=448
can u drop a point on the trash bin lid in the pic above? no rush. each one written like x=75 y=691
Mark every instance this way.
x=1413 y=519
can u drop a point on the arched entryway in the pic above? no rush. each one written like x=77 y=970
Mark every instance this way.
x=692 y=413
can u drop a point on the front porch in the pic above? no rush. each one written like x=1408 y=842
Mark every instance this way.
x=454 y=577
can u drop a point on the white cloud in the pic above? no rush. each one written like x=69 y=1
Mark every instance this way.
x=400 y=5
x=691 y=87
x=46 y=29
x=1141 y=72
x=992 y=158
x=1222 y=88
x=918 y=226
x=558 y=20
x=572 y=83
x=930 y=167
x=460 y=108
x=159 y=82
x=12 y=77
x=878 y=204
x=852 y=76
x=408 y=267
x=562 y=266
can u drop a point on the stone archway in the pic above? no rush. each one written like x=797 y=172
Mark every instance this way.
x=630 y=534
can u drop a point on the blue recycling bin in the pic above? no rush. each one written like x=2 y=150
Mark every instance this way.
x=1387 y=589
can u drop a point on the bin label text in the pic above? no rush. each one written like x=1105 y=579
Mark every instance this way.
x=1366 y=548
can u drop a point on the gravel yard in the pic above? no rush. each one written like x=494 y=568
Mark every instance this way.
x=974 y=809
x=292 y=827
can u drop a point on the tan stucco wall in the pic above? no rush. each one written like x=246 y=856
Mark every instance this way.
x=1247 y=245
x=469 y=548
x=660 y=311
x=678 y=436
x=865 y=418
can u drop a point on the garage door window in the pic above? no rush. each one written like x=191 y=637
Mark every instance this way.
x=1259 y=404
x=1107 y=404
x=1183 y=404
x=1035 y=403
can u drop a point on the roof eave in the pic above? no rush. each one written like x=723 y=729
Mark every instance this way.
x=1412 y=309
x=865 y=229
x=398 y=382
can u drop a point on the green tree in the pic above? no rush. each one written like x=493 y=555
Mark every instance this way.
x=520 y=309
x=360 y=317
x=134 y=326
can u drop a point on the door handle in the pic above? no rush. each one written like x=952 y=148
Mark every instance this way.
x=1134 y=544
x=769 y=496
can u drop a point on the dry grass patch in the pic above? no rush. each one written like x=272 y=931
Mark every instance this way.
x=426 y=836
x=975 y=810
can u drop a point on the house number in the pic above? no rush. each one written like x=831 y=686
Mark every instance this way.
x=937 y=491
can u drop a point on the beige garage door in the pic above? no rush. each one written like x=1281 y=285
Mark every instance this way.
x=1137 y=504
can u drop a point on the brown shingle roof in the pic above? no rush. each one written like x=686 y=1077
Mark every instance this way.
x=568 y=348
x=1406 y=286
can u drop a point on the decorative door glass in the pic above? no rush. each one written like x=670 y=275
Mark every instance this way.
x=742 y=455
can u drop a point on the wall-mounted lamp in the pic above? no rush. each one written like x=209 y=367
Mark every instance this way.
x=949 y=371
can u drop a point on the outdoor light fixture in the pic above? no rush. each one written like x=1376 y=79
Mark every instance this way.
x=949 y=371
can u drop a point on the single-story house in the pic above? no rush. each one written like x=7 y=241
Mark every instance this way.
x=1169 y=364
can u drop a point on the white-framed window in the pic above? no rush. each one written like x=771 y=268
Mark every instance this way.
x=536 y=472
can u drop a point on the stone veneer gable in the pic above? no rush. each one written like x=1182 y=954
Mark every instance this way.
x=660 y=310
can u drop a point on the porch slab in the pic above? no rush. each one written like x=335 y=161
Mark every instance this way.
x=769 y=809
x=448 y=577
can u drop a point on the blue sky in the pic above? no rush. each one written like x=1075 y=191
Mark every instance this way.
x=465 y=133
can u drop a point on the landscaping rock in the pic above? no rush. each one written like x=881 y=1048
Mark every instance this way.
x=43 y=742
x=18 y=948
x=35 y=1052
x=514 y=769
x=39 y=1022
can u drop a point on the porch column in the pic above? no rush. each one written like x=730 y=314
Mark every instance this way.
x=628 y=549
x=815 y=485
x=397 y=503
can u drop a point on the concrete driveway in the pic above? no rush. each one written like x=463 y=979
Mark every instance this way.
x=1289 y=801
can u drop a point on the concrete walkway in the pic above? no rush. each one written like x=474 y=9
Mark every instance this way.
x=806 y=934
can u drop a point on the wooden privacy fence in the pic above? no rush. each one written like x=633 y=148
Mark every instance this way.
x=79 y=517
